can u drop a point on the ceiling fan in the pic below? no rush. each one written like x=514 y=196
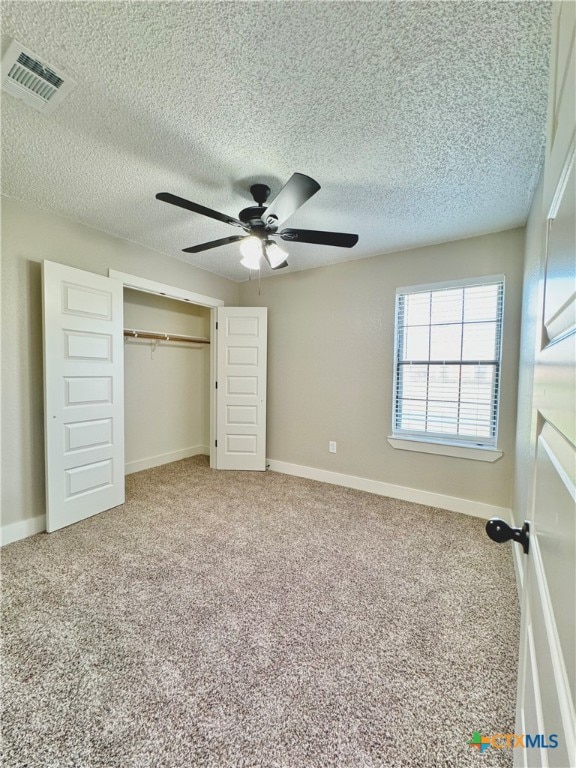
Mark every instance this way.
x=260 y=223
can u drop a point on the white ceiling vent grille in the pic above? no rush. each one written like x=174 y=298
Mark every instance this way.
x=28 y=78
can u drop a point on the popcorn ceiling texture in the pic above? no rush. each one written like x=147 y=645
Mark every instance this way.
x=257 y=620
x=422 y=121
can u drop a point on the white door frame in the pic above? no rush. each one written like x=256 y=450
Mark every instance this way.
x=180 y=294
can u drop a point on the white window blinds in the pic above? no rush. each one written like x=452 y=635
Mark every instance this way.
x=447 y=362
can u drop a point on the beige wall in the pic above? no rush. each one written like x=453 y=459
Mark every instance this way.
x=30 y=235
x=166 y=404
x=330 y=357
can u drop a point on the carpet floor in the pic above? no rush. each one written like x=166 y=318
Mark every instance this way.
x=257 y=620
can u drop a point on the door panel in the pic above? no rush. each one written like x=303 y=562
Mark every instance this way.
x=241 y=394
x=83 y=393
x=555 y=521
x=554 y=386
x=547 y=671
x=88 y=434
x=559 y=297
x=80 y=390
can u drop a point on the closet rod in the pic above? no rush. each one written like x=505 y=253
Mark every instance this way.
x=136 y=334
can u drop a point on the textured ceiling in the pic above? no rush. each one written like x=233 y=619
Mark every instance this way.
x=422 y=121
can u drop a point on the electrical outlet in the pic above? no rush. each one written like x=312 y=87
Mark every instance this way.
x=332 y=446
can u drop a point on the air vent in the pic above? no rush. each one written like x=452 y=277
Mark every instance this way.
x=28 y=78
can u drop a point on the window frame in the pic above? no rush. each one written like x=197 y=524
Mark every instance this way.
x=484 y=449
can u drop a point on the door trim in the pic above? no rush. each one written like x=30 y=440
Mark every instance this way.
x=138 y=283
x=163 y=289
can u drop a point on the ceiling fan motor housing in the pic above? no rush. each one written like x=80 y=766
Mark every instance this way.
x=260 y=193
x=254 y=215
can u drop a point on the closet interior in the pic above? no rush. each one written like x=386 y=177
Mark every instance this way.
x=166 y=380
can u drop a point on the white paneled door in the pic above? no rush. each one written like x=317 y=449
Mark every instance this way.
x=547 y=673
x=241 y=337
x=83 y=393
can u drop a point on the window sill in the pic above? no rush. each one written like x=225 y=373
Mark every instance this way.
x=443 y=449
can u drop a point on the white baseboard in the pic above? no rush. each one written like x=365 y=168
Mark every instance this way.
x=25 y=528
x=451 y=503
x=164 y=458
x=22 y=529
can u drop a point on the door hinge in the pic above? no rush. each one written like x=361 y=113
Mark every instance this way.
x=216 y=383
x=216 y=324
x=215 y=443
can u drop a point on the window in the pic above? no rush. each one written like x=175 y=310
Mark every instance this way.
x=447 y=362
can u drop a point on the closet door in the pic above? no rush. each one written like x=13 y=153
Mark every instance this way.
x=83 y=393
x=241 y=334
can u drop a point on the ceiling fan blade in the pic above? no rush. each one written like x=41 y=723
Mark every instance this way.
x=166 y=197
x=213 y=244
x=297 y=190
x=341 y=239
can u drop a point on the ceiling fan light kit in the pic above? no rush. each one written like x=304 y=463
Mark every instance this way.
x=251 y=262
x=251 y=250
x=275 y=256
x=260 y=222
x=251 y=247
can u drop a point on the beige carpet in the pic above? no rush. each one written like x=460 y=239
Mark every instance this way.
x=257 y=620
